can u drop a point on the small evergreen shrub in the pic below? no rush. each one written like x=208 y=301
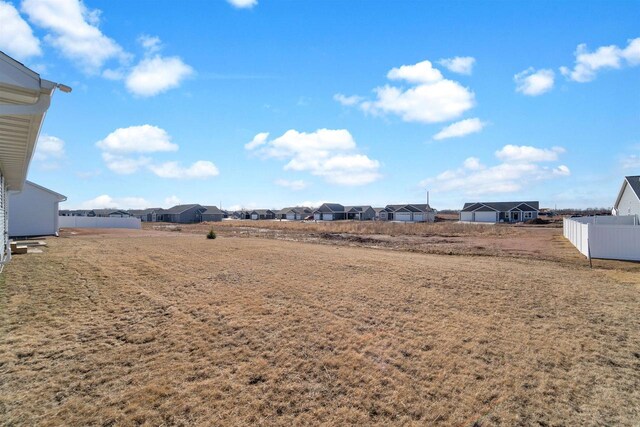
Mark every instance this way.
x=211 y=234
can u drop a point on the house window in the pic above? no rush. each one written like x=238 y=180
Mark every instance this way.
x=528 y=215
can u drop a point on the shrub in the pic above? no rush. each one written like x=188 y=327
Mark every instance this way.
x=211 y=234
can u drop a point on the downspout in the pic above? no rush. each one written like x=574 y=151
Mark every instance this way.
x=6 y=226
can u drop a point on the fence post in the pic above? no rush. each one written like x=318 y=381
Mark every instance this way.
x=589 y=226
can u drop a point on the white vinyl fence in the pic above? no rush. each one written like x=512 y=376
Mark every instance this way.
x=606 y=237
x=98 y=222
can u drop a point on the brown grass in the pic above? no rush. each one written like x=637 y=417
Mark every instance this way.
x=175 y=329
x=446 y=228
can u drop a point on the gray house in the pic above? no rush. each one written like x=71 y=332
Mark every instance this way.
x=499 y=211
x=110 y=213
x=212 y=213
x=294 y=213
x=360 y=213
x=262 y=214
x=146 y=215
x=183 y=214
x=75 y=212
x=330 y=212
x=628 y=200
x=408 y=213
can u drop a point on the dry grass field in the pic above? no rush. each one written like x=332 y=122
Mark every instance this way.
x=163 y=328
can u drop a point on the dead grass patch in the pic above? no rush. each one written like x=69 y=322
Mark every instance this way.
x=172 y=329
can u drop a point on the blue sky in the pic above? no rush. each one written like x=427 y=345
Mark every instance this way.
x=275 y=103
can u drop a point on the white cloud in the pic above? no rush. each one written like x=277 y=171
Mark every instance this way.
x=422 y=72
x=123 y=165
x=49 y=148
x=118 y=147
x=520 y=168
x=459 y=129
x=292 y=185
x=257 y=141
x=587 y=64
x=106 y=202
x=630 y=162
x=137 y=139
x=158 y=74
x=73 y=30
x=430 y=99
x=330 y=154
x=459 y=64
x=348 y=101
x=198 y=170
x=313 y=204
x=151 y=44
x=243 y=4
x=525 y=153
x=632 y=52
x=171 y=201
x=533 y=83
x=473 y=163
x=16 y=36
x=428 y=103
x=562 y=170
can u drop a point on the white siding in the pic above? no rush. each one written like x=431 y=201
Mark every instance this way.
x=4 y=250
x=629 y=203
x=486 y=216
x=33 y=212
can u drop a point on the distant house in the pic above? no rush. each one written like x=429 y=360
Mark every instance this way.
x=146 y=215
x=330 y=212
x=241 y=214
x=628 y=200
x=408 y=213
x=378 y=211
x=110 y=213
x=294 y=213
x=34 y=211
x=257 y=214
x=182 y=214
x=75 y=212
x=360 y=213
x=499 y=211
x=211 y=213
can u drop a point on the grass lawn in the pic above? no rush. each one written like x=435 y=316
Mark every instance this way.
x=171 y=328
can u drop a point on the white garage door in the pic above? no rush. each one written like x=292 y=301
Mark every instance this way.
x=419 y=217
x=317 y=216
x=485 y=216
x=466 y=216
x=254 y=216
x=403 y=216
x=327 y=217
x=291 y=216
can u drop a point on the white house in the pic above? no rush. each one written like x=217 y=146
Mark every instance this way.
x=628 y=200
x=34 y=211
x=24 y=100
